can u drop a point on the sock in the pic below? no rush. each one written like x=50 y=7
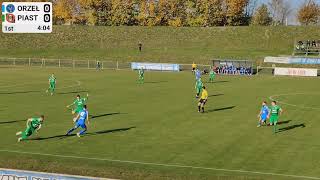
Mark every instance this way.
x=83 y=131
x=71 y=130
x=202 y=109
x=199 y=108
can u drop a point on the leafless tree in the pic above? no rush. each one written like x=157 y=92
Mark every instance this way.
x=280 y=10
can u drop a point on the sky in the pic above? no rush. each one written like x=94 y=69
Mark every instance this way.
x=292 y=20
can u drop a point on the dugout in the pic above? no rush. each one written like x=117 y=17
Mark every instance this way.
x=233 y=67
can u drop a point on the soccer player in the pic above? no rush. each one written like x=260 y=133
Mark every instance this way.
x=203 y=99
x=198 y=74
x=194 y=67
x=212 y=75
x=273 y=116
x=198 y=87
x=33 y=125
x=141 y=75
x=52 y=84
x=78 y=104
x=264 y=112
x=80 y=121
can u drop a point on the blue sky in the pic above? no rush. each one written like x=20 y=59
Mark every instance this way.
x=295 y=4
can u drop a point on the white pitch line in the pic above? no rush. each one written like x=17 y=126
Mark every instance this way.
x=166 y=165
x=71 y=86
x=272 y=98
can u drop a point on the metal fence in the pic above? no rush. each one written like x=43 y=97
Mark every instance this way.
x=63 y=63
x=72 y=63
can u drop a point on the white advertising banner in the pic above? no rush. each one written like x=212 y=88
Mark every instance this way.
x=296 y=72
x=280 y=60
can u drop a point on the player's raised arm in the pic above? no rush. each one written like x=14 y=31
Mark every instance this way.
x=71 y=104
x=280 y=111
x=29 y=121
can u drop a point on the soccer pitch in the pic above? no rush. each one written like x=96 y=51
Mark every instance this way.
x=153 y=130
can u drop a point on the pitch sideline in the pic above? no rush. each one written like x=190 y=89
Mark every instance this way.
x=164 y=165
x=272 y=98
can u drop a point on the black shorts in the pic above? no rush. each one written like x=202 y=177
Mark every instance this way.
x=193 y=69
x=203 y=101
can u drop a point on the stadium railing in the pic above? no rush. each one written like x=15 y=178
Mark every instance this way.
x=75 y=63
x=307 y=47
x=62 y=63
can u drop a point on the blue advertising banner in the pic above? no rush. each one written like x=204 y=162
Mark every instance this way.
x=9 y=174
x=292 y=60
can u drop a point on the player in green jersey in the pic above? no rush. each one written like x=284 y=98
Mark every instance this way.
x=52 y=84
x=78 y=104
x=273 y=116
x=33 y=125
x=198 y=87
x=141 y=75
x=212 y=75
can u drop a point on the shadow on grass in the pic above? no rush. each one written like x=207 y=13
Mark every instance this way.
x=72 y=92
x=87 y=134
x=219 y=82
x=109 y=131
x=103 y=115
x=284 y=122
x=154 y=82
x=19 y=92
x=10 y=122
x=215 y=95
x=221 y=109
x=292 y=127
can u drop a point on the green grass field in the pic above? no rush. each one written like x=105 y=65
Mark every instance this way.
x=153 y=131
x=160 y=44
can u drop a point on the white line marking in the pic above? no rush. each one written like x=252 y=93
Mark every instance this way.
x=272 y=98
x=165 y=165
x=53 y=174
x=71 y=86
x=78 y=83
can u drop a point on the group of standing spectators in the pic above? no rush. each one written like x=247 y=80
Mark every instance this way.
x=233 y=70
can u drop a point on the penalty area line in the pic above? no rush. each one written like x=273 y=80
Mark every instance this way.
x=165 y=165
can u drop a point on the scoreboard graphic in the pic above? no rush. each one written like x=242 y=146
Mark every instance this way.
x=26 y=17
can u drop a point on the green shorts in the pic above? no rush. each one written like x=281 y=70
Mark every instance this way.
x=28 y=132
x=52 y=85
x=78 y=110
x=274 y=119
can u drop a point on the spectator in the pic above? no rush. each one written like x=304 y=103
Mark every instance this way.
x=140 y=46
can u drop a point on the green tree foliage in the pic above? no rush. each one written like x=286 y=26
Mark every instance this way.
x=261 y=16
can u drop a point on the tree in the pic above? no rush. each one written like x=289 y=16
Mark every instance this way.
x=280 y=10
x=122 y=12
x=152 y=13
x=143 y=15
x=261 y=16
x=309 y=13
x=177 y=13
x=236 y=12
x=103 y=13
x=216 y=14
x=162 y=13
x=63 y=11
